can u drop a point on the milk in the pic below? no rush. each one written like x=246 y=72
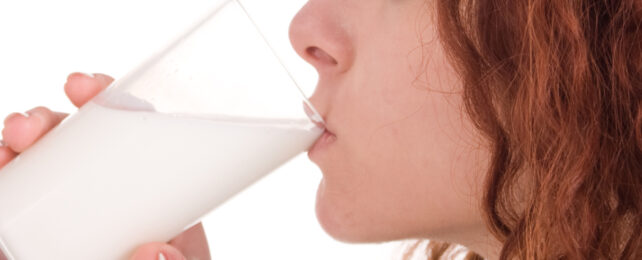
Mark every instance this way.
x=108 y=180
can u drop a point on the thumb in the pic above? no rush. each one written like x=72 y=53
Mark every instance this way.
x=157 y=251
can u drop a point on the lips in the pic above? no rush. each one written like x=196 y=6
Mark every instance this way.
x=328 y=135
x=326 y=139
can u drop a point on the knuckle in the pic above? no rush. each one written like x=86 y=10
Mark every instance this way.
x=40 y=109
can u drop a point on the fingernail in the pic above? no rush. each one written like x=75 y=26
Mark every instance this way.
x=161 y=256
x=2 y=144
x=91 y=75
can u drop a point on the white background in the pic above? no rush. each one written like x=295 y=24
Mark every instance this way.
x=42 y=41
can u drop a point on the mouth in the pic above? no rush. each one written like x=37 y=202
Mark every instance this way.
x=323 y=142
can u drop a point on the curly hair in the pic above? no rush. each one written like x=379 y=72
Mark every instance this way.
x=556 y=87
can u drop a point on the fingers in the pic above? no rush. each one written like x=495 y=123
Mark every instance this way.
x=157 y=251
x=81 y=87
x=193 y=243
x=6 y=155
x=22 y=130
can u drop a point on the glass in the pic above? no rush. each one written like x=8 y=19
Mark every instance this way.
x=158 y=149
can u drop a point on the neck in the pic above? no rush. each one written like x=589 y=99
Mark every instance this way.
x=478 y=240
x=483 y=243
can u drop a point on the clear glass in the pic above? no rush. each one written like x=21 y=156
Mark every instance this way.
x=159 y=149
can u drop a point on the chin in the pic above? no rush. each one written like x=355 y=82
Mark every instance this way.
x=336 y=218
x=338 y=228
x=339 y=219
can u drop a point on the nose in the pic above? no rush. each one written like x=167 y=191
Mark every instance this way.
x=319 y=35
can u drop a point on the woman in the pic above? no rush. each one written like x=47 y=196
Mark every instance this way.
x=511 y=127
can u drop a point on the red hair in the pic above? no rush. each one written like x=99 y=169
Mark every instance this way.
x=556 y=87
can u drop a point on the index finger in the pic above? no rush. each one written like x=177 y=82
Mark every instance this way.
x=81 y=87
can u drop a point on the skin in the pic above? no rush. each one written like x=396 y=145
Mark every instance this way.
x=404 y=160
x=401 y=158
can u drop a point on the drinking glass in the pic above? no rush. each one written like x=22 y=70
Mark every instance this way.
x=157 y=150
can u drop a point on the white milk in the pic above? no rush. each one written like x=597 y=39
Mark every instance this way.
x=108 y=180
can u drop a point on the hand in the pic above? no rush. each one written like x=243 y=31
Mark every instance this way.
x=22 y=130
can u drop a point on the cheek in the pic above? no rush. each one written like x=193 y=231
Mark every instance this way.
x=402 y=178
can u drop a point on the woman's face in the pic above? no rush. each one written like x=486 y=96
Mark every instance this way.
x=404 y=161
